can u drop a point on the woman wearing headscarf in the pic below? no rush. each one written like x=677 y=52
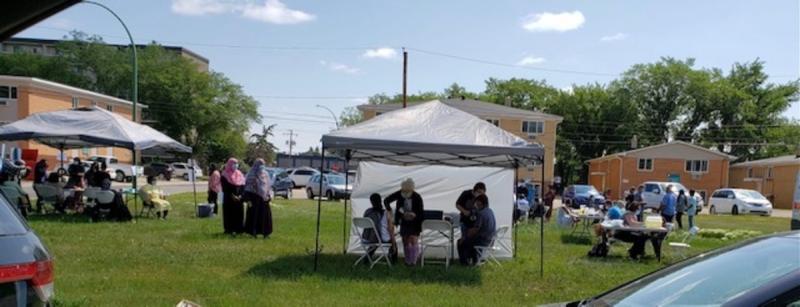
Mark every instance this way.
x=232 y=182
x=408 y=214
x=214 y=186
x=256 y=190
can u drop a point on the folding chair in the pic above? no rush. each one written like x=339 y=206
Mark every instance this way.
x=147 y=205
x=103 y=200
x=486 y=253
x=362 y=225
x=437 y=229
x=683 y=246
x=45 y=194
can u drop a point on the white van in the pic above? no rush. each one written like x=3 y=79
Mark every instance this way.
x=736 y=201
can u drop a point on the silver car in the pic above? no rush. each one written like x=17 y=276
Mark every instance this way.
x=332 y=187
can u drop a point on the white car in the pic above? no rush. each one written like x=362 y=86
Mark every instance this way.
x=121 y=171
x=183 y=170
x=736 y=201
x=654 y=192
x=300 y=176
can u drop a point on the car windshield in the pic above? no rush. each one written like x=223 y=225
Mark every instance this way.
x=335 y=179
x=709 y=280
x=10 y=223
x=750 y=194
x=585 y=189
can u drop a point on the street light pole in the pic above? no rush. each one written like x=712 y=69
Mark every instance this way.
x=335 y=120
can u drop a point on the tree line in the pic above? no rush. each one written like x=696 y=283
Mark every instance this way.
x=204 y=110
x=738 y=112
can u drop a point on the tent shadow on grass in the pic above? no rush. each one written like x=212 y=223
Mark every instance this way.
x=340 y=267
x=74 y=218
x=567 y=238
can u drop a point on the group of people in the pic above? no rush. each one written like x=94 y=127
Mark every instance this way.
x=527 y=205
x=673 y=207
x=239 y=190
x=477 y=222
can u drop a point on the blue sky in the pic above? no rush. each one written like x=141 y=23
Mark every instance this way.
x=294 y=54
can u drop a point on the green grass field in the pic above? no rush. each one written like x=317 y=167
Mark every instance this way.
x=158 y=263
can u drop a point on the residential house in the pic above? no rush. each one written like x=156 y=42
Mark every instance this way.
x=533 y=126
x=23 y=96
x=774 y=177
x=695 y=167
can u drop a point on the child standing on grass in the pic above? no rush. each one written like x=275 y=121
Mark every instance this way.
x=691 y=208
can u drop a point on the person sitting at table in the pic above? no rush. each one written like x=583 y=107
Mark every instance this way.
x=567 y=218
x=156 y=197
x=101 y=177
x=480 y=233
x=77 y=184
x=54 y=181
x=638 y=239
x=380 y=218
x=409 y=215
x=14 y=193
x=40 y=171
x=90 y=174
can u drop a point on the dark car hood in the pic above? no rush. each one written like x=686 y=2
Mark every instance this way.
x=22 y=248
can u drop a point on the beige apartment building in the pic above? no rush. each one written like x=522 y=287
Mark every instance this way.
x=775 y=178
x=533 y=126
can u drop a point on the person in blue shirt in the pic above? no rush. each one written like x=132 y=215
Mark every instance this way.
x=615 y=212
x=668 y=205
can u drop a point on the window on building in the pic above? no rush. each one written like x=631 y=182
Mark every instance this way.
x=75 y=102
x=495 y=122
x=749 y=172
x=378 y=113
x=533 y=127
x=769 y=172
x=697 y=166
x=8 y=92
x=645 y=164
x=110 y=108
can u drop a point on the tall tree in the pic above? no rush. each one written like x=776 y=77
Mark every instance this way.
x=520 y=93
x=261 y=147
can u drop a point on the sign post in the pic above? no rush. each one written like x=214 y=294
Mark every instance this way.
x=796 y=204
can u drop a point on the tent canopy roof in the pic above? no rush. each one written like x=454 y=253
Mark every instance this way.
x=89 y=127
x=433 y=133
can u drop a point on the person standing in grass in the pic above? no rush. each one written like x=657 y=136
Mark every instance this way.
x=257 y=191
x=668 y=205
x=232 y=182
x=691 y=208
x=214 y=186
x=683 y=202
x=408 y=214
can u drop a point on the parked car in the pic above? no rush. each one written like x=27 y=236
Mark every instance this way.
x=300 y=176
x=736 y=201
x=26 y=267
x=759 y=272
x=332 y=187
x=579 y=194
x=159 y=169
x=281 y=183
x=654 y=192
x=122 y=171
x=183 y=170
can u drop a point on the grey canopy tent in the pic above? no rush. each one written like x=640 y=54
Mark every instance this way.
x=89 y=127
x=431 y=133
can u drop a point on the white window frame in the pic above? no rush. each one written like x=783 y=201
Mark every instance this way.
x=645 y=169
x=110 y=107
x=494 y=121
x=13 y=94
x=76 y=102
x=695 y=164
x=527 y=123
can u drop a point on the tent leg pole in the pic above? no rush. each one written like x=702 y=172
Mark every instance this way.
x=319 y=209
x=194 y=187
x=135 y=177
x=514 y=187
x=344 y=214
x=541 y=227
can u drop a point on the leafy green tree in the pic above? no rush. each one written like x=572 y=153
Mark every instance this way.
x=261 y=147
x=525 y=94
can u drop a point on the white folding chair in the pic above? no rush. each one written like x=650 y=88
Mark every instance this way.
x=682 y=247
x=486 y=253
x=91 y=193
x=436 y=229
x=362 y=225
x=45 y=194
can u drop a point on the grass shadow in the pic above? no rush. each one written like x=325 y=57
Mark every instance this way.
x=568 y=238
x=340 y=267
x=75 y=218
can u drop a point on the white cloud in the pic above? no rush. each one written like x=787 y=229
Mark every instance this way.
x=270 y=11
x=558 y=22
x=201 y=7
x=381 y=53
x=616 y=37
x=274 y=11
x=531 y=60
x=339 y=67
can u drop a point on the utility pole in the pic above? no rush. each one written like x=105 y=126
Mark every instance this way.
x=405 y=77
x=291 y=142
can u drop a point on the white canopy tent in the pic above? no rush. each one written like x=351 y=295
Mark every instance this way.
x=430 y=133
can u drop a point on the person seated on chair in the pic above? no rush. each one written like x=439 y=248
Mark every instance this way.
x=156 y=198
x=40 y=171
x=479 y=234
x=101 y=177
x=381 y=218
x=566 y=218
x=629 y=219
x=614 y=213
x=54 y=181
x=14 y=193
x=523 y=207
